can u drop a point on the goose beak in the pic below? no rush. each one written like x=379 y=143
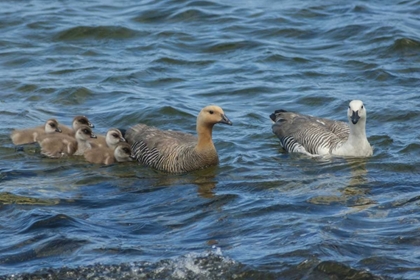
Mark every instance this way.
x=355 y=117
x=225 y=120
x=273 y=117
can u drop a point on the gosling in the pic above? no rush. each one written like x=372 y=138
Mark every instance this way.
x=32 y=135
x=59 y=146
x=107 y=156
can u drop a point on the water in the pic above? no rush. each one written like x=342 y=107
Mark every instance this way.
x=260 y=214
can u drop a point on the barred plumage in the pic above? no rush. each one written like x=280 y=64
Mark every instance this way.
x=319 y=136
x=177 y=152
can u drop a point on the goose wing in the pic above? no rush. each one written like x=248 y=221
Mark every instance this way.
x=307 y=134
x=150 y=144
x=340 y=129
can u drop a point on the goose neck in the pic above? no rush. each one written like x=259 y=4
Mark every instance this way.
x=204 y=133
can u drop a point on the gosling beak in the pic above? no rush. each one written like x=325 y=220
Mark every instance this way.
x=133 y=157
x=355 y=117
x=122 y=139
x=93 y=136
x=91 y=125
x=225 y=120
x=58 y=129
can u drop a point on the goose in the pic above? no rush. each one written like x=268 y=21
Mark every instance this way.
x=111 y=140
x=77 y=122
x=107 y=155
x=318 y=136
x=58 y=146
x=177 y=152
x=32 y=135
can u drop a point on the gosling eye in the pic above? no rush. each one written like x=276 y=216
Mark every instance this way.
x=211 y=112
x=127 y=150
x=115 y=135
x=52 y=125
x=362 y=106
x=86 y=131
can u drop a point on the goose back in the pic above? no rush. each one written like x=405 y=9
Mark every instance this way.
x=307 y=134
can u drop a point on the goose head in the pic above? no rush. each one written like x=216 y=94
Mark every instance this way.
x=356 y=111
x=51 y=126
x=210 y=115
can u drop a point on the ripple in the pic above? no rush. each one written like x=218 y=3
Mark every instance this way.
x=9 y=198
x=96 y=33
x=272 y=214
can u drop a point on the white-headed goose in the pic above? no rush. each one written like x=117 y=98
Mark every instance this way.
x=318 y=136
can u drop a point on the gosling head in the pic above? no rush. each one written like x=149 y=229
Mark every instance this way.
x=356 y=111
x=123 y=152
x=84 y=133
x=80 y=121
x=113 y=137
x=51 y=126
x=210 y=115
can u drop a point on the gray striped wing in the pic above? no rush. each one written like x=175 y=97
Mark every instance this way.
x=301 y=132
x=155 y=147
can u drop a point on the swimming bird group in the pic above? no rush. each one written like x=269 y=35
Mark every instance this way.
x=57 y=141
x=179 y=152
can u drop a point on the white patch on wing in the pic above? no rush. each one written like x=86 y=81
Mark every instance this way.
x=323 y=151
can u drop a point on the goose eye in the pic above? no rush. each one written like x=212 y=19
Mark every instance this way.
x=362 y=106
x=211 y=112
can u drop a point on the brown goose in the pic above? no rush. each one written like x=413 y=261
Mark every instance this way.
x=32 y=135
x=58 y=146
x=106 y=155
x=178 y=152
x=77 y=123
x=111 y=140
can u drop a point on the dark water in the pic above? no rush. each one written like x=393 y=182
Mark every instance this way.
x=260 y=214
